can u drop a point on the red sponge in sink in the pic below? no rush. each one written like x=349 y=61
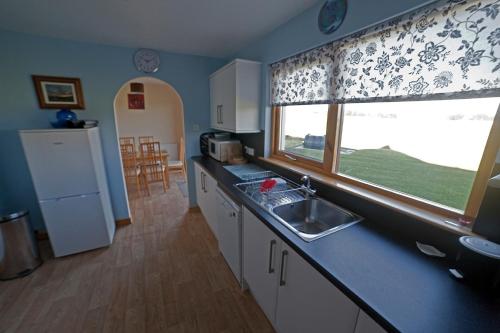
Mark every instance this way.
x=267 y=185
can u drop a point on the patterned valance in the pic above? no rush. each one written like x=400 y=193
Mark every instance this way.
x=448 y=50
x=304 y=79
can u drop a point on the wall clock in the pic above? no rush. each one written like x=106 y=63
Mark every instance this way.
x=147 y=61
x=331 y=15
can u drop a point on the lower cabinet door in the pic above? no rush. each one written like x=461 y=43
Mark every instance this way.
x=199 y=184
x=205 y=196
x=307 y=302
x=260 y=265
x=210 y=203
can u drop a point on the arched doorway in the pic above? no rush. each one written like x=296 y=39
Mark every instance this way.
x=150 y=110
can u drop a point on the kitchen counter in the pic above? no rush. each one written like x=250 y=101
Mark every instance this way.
x=387 y=277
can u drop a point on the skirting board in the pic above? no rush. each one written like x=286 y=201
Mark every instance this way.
x=195 y=209
x=123 y=222
x=41 y=235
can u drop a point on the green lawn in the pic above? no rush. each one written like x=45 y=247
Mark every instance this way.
x=448 y=186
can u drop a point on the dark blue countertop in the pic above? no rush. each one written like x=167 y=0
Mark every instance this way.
x=387 y=277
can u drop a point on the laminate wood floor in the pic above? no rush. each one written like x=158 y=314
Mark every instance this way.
x=163 y=273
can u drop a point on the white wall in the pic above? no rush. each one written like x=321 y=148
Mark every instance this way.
x=162 y=117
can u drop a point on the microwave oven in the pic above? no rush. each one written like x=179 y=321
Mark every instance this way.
x=224 y=150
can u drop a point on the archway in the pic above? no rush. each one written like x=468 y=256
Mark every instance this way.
x=150 y=107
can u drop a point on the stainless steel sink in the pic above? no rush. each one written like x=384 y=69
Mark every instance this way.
x=313 y=218
x=298 y=208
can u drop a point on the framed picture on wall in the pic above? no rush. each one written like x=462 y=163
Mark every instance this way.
x=58 y=92
x=137 y=87
x=136 y=101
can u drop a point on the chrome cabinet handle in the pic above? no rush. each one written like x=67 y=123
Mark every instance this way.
x=272 y=245
x=219 y=114
x=203 y=182
x=222 y=114
x=284 y=255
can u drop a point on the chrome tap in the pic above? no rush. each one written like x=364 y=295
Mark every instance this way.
x=306 y=186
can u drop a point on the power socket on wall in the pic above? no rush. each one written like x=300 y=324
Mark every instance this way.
x=249 y=151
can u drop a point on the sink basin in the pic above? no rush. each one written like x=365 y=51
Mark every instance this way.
x=313 y=218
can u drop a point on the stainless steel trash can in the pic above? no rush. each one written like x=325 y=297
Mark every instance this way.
x=19 y=254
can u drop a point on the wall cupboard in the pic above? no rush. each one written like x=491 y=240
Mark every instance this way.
x=235 y=97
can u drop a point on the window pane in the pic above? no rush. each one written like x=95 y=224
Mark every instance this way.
x=429 y=149
x=303 y=130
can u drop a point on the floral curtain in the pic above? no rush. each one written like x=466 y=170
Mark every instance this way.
x=448 y=50
x=304 y=79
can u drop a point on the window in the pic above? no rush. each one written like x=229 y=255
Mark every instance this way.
x=302 y=135
x=304 y=131
x=426 y=153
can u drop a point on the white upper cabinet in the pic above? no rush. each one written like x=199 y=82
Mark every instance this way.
x=234 y=97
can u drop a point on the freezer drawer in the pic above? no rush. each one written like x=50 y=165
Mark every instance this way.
x=61 y=163
x=76 y=224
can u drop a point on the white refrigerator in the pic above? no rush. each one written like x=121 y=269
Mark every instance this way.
x=67 y=169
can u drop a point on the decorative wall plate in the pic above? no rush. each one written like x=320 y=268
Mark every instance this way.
x=331 y=15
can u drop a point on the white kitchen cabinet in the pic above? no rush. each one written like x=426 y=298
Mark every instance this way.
x=294 y=296
x=366 y=324
x=206 y=186
x=234 y=97
x=308 y=302
x=261 y=248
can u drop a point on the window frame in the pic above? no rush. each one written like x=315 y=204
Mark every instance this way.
x=329 y=167
x=325 y=166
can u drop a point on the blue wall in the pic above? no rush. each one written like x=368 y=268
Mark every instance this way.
x=102 y=70
x=301 y=33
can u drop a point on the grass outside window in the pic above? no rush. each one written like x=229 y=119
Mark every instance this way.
x=436 y=155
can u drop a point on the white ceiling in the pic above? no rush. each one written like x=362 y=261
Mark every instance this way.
x=217 y=28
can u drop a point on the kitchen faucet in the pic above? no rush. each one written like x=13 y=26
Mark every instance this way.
x=306 y=186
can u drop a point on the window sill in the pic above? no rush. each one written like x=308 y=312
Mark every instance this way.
x=414 y=212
